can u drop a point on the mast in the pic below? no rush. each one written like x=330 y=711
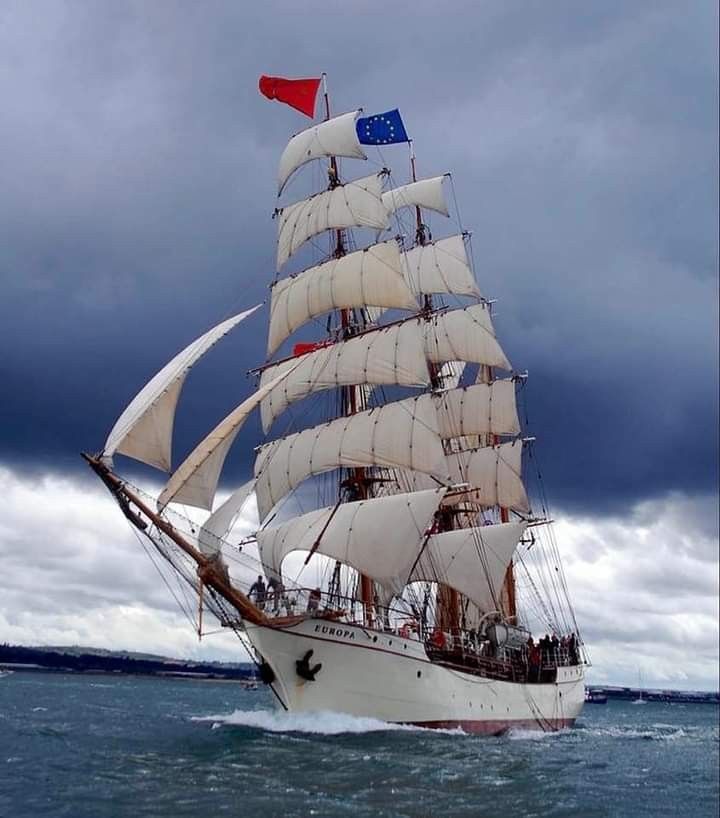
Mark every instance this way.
x=448 y=599
x=357 y=480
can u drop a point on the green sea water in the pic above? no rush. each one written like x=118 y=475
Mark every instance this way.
x=97 y=746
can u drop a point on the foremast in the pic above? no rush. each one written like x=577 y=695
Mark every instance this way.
x=357 y=479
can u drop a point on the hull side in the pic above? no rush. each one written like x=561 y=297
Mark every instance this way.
x=383 y=676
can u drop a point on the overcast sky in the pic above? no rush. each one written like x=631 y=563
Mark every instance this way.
x=138 y=167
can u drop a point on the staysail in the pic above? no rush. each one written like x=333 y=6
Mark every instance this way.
x=144 y=430
x=220 y=522
x=195 y=481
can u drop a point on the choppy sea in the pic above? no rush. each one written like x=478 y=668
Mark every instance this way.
x=96 y=746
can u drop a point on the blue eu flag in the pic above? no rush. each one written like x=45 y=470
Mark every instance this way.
x=381 y=129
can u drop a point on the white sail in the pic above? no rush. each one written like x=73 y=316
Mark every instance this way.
x=219 y=524
x=450 y=374
x=335 y=137
x=441 y=267
x=370 y=277
x=379 y=537
x=426 y=193
x=473 y=561
x=144 y=430
x=478 y=409
x=467 y=335
x=494 y=474
x=389 y=355
x=402 y=435
x=195 y=480
x=354 y=204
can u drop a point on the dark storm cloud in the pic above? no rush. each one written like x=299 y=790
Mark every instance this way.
x=138 y=164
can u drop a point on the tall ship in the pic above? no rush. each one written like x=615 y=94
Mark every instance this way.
x=403 y=564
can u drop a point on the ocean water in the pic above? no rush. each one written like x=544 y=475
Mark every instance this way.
x=96 y=746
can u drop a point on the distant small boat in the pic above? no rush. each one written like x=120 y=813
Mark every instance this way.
x=595 y=697
x=640 y=699
x=4 y=672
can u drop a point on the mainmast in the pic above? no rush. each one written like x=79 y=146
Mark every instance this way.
x=448 y=599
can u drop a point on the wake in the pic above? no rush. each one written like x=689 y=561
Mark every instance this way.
x=326 y=723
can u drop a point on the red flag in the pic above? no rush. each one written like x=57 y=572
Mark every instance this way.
x=298 y=94
x=304 y=348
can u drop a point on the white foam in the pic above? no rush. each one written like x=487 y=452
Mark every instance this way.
x=322 y=723
x=523 y=734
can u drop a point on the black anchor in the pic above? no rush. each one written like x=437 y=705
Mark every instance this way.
x=302 y=666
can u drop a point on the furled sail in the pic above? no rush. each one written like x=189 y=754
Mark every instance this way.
x=441 y=267
x=379 y=537
x=471 y=560
x=219 y=524
x=494 y=474
x=195 y=480
x=465 y=334
x=426 y=193
x=389 y=355
x=335 y=137
x=144 y=430
x=482 y=408
x=370 y=277
x=353 y=204
x=402 y=434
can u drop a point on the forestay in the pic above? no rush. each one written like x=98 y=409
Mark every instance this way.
x=441 y=267
x=465 y=334
x=426 y=193
x=402 y=434
x=144 y=430
x=494 y=474
x=390 y=355
x=379 y=537
x=195 y=481
x=335 y=137
x=478 y=409
x=473 y=561
x=354 y=204
x=367 y=278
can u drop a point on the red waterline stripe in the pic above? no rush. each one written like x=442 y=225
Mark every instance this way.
x=498 y=727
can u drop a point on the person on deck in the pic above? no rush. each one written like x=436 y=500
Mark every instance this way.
x=276 y=591
x=573 y=650
x=314 y=600
x=555 y=649
x=258 y=589
x=534 y=658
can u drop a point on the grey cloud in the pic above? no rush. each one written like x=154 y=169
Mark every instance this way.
x=138 y=176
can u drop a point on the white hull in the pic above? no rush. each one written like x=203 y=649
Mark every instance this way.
x=383 y=676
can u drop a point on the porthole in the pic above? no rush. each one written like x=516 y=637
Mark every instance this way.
x=419 y=674
x=374 y=638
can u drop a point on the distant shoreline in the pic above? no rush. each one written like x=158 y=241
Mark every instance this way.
x=87 y=661
x=667 y=696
